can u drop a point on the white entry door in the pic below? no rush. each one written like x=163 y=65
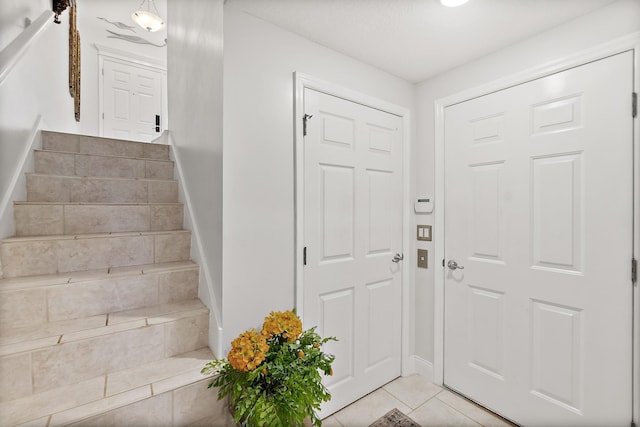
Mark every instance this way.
x=132 y=98
x=352 y=230
x=538 y=186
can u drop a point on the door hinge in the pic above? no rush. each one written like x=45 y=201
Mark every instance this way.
x=305 y=119
x=634 y=270
x=443 y=262
x=634 y=105
x=304 y=256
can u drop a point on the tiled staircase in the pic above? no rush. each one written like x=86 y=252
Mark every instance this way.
x=100 y=323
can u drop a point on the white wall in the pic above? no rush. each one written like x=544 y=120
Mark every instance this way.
x=34 y=95
x=194 y=60
x=616 y=20
x=258 y=269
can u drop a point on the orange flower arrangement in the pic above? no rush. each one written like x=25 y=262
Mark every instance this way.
x=284 y=323
x=272 y=376
x=248 y=351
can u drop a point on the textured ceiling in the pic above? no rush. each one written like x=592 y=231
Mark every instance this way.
x=416 y=39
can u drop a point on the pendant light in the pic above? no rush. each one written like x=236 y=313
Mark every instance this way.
x=146 y=18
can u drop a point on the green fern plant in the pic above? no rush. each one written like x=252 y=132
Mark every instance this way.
x=273 y=377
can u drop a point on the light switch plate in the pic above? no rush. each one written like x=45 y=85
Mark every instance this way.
x=423 y=258
x=424 y=233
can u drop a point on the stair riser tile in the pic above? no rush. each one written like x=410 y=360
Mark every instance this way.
x=180 y=407
x=38 y=220
x=172 y=247
x=46 y=188
x=47 y=220
x=15 y=377
x=163 y=191
x=103 y=146
x=60 y=142
x=23 y=308
x=70 y=164
x=116 y=167
x=100 y=297
x=34 y=408
x=27 y=258
x=84 y=219
x=166 y=218
x=54 y=163
x=158 y=170
x=89 y=254
x=178 y=286
x=195 y=402
x=155 y=411
x=187 y=334
x=123 y=293
x=76 y=361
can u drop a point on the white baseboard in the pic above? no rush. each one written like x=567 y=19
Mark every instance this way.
x=205 y=289
x=17 y=190
x=423 y=367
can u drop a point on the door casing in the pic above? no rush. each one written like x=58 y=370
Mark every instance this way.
x=305 y=81
x=623 y=44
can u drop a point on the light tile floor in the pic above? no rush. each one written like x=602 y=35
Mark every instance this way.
x=426 y=403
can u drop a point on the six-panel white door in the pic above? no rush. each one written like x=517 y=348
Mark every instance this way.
x=132 y=97
x=538 y=205
x=352 y=230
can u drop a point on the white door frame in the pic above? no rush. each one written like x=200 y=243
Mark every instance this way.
x=305 y=81
x=623 y=44
x=132 y=60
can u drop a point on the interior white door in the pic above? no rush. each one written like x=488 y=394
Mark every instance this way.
x=352 y=230
x=538 y=211
x=132 y=98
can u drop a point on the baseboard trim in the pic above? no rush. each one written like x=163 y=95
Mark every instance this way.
x=17 y=190
x=423 y=367
x=197 y=253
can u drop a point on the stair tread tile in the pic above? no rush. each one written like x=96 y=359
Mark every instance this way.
x=101 y=331
x=27 y=282
x=52 y=401
x=36 y=344
x=98 y=178
x=91 y=236
x=62 y=327
x=159 y=313
x=39 y=422
x=100 y=406
x=49 y=334
x=94 y=204
x=160 y=372
x=103 y=155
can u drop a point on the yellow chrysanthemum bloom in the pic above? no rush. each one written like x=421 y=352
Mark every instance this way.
x=282 y=322
x=248 y=351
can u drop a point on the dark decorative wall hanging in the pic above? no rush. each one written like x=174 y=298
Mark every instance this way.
x=58 y=7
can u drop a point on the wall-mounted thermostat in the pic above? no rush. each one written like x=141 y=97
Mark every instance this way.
x=424 y=205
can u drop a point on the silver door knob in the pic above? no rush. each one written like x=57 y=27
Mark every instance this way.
x=454 y=265
x=397 y=258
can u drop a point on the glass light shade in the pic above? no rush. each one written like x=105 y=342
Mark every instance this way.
x=147 y=20
x=453 y=3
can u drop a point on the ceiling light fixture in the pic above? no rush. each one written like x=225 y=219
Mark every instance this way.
x=453 y=3
x=146 y=18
